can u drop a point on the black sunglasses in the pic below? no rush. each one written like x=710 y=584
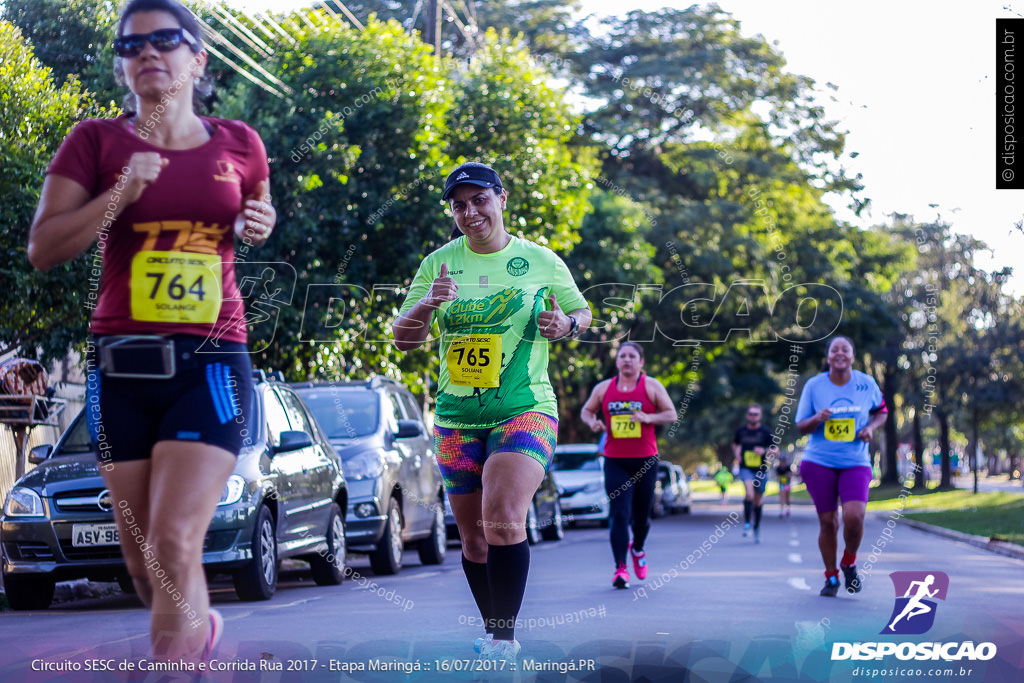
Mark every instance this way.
x=164 y=40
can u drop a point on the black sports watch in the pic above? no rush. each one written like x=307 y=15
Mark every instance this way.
x=574 y=328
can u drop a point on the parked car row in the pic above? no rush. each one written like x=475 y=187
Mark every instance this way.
x=329 y=467
x=579 y=474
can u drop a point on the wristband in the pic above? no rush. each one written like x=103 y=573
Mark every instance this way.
x=574 y=328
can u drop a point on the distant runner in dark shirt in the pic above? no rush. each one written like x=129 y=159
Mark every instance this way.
x=749 y=447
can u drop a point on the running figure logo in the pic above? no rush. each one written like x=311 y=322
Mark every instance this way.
x=913 y=612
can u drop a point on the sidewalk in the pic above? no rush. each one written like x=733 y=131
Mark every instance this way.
x=1000 y=547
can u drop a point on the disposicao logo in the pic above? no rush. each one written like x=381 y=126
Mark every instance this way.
x=914 y=614
x=916 y=595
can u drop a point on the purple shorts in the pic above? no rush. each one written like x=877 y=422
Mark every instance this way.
x=827 y=484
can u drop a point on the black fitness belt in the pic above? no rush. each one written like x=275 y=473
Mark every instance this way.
x=143 y=356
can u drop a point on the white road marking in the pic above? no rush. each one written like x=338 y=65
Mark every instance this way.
x=799 y=583
x=794 y=543
x=795 y=558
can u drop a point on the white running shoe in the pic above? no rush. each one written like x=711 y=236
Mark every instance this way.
x=506 y=650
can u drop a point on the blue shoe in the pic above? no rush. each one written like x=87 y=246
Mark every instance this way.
x=479 y=643
x=831 y=587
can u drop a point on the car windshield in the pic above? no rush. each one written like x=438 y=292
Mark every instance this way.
x=77 y=440
x=576 y=460
x=343 y=413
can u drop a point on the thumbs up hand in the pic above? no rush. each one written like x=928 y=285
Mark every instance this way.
x=554 y=324
x=442 y=289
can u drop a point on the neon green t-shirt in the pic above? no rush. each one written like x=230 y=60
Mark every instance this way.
x=494 y=362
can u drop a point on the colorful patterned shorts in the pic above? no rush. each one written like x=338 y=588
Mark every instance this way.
x=461 y=452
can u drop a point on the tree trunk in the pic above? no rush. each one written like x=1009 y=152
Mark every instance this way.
x=890 y=467
x=919 y=478
x=974 y=444
x=945 y=482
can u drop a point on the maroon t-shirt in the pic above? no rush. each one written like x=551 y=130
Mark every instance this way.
x=162 y=254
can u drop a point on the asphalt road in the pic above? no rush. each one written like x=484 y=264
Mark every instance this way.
x=715 y=607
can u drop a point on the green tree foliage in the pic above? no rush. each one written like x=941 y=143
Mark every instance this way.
x=508 y=115
x=46 y=313
x=359 y=153
x=72 y=37
x=356 y=154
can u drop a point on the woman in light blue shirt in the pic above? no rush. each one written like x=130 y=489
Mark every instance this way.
x=841 y=408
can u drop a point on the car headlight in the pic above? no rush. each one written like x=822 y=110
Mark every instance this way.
x=23 y=502
x=365 y=465
x=365 y=509
x=232 y=490
x=593 y=487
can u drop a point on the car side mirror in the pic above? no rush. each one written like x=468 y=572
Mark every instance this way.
x=408 y=429
x=40 y=453
x=294 y=441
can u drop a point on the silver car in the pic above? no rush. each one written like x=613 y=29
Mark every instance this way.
x=672 y=492
x=396 y=495
x=579 y=474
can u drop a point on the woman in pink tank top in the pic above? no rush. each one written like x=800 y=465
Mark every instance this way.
x=627 y=407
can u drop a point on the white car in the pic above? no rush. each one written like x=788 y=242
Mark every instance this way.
x=579 y=474
x=672 y=492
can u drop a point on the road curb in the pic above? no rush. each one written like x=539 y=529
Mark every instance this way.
x=983 y=542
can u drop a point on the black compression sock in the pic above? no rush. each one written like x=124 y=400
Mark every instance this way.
x=476 y=574
x=757 y=517
x=507 y=569
x=747 y=505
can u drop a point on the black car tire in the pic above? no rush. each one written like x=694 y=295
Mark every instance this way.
x=555 y=531
x=258 y=579
x=434 y=547
x=325 y=571
x=387 y=557
x=29 y=592
x=125 y=583
x=532 y=532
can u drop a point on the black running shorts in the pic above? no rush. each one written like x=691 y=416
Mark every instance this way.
x=208 y=400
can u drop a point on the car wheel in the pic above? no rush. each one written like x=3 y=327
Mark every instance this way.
x=28 y=592
x=555 y=531
x=387 y=558
x=434 y=547
x=532 y=532
x=686 y=509
x=257 y=580
x=125 y=583
x=329 y=568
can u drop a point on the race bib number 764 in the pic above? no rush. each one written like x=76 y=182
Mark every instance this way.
x=175 y=287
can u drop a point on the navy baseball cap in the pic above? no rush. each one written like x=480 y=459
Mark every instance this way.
x=473 y=173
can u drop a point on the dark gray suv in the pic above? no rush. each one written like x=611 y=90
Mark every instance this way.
x=396 y=495
x=285 y=498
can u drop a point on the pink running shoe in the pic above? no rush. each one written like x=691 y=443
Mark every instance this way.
x=639 y=562
x=216 y=631
x=621 y=578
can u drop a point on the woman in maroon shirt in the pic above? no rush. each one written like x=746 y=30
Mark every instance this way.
x=165 y=192
x=632 y=403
